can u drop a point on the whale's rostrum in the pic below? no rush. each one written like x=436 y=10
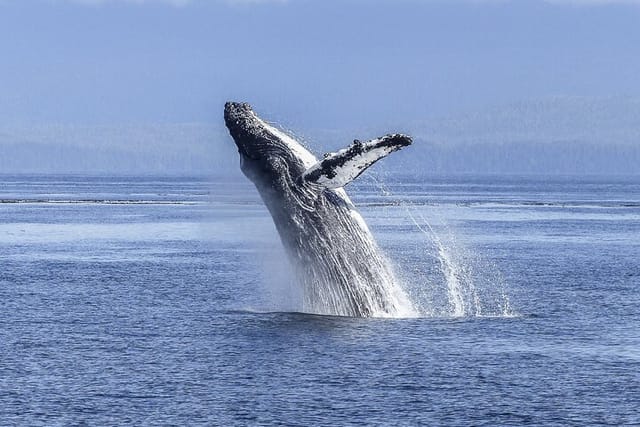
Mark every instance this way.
x=340 y=266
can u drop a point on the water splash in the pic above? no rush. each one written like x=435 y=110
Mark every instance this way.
x=438 y=277
x=462 y=284
x=348 y=276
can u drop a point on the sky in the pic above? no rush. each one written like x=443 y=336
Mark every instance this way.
x=311 y=65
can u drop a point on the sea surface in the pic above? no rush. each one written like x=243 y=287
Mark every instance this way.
x=168 y=301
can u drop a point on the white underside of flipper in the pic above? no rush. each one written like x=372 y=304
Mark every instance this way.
x=338 y=169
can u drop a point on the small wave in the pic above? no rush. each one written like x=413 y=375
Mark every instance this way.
x=245 y=311
x=419 y=316
x=100 y=202
x=505 y=204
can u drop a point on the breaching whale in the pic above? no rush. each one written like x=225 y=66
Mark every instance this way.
x=340 y=266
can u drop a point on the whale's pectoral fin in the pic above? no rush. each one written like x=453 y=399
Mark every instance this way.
x=340 y=168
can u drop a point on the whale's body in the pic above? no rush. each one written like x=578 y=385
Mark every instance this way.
x=342 y=270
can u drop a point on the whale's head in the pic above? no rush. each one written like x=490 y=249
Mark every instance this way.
x=268 y=156
x=278 y=164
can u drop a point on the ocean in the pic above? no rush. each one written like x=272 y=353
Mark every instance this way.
x=169 y=301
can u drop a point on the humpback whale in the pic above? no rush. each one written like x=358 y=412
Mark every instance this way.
x=341 y=268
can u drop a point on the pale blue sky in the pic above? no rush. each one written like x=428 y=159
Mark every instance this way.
x=138 y=86
x=318 y=63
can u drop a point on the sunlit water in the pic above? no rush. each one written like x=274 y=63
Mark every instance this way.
x=169 y=301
